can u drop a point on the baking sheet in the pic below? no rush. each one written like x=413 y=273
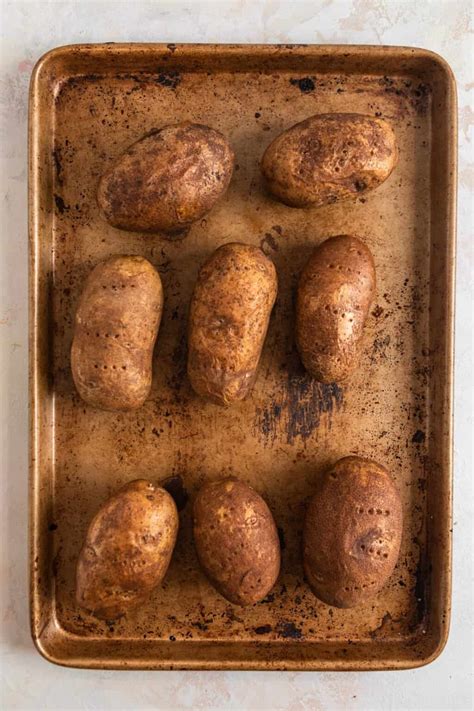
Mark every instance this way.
x=87 y=104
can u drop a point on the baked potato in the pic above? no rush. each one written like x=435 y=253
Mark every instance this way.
x=116 y=326
x=352 y=532
x=228 y=321
x=127 y=550
x=236 y=540
x=329 y=157
x=167 y=180
x=335 y=291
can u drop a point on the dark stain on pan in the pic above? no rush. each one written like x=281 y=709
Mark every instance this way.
x=418 y=437
x=232 y=616
x=307 y=401
x=263 y=629
x=305 y=84
x=57 y=165
x=93 y=77
x=379 y=348
x=174 y=485
x=170 y=80
x=420 y=98
x=304 y=402
x=288 y=630
x=268 y=418
x=200 y=626
x=78 y=81
x=414 y=96
x=60 y=204
x=421 y=483
x=88 y=626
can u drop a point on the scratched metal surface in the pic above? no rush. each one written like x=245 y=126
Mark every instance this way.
x=282 y=437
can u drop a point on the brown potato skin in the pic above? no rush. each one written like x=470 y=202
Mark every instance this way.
x=127 y=550
x=350 y=542
x=228 y=321
x=166 y=180
x=335 y=291
x=116 y=326
x=236 y=540
x=329 y=157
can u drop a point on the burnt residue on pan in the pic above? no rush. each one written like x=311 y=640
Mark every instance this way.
x=307 y=401
x=288 y=630
x=60 y=204
x=417 y=95
x=170 y=80
x=263 y=629
x=379 y=348
x=305 y=84
x=57 y=165
x=418 y=437
x=299 y=410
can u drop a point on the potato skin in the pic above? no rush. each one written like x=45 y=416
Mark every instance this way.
x=116 y=326
x=335 y=291
x=329 y=157
x=127 y=550
x=352 y=532
x=236 y=540
x=167 y=180
x=228 y=321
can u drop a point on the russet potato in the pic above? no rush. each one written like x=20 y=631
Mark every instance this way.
x=167 y=180
x=352 y=532
x=335 y=291
x=236 y=540
x=228 y=321
x=127 y=550
x=116 y=326
x=329 y=157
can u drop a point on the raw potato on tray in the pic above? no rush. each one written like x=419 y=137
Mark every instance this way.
x=329 y=157
x=236 y=540
x=167 y=180
x=127 y=550
x=116 y=326
x=228 y=321
x=352 y=532
x=335 y=291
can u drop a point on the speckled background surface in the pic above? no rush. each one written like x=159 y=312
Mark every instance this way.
x=28 y=30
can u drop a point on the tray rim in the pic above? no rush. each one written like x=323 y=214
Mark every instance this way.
x=41 y=641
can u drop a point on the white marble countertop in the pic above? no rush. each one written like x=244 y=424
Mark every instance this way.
x=28 y=30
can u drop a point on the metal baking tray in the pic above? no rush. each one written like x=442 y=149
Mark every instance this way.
x=87 y=104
